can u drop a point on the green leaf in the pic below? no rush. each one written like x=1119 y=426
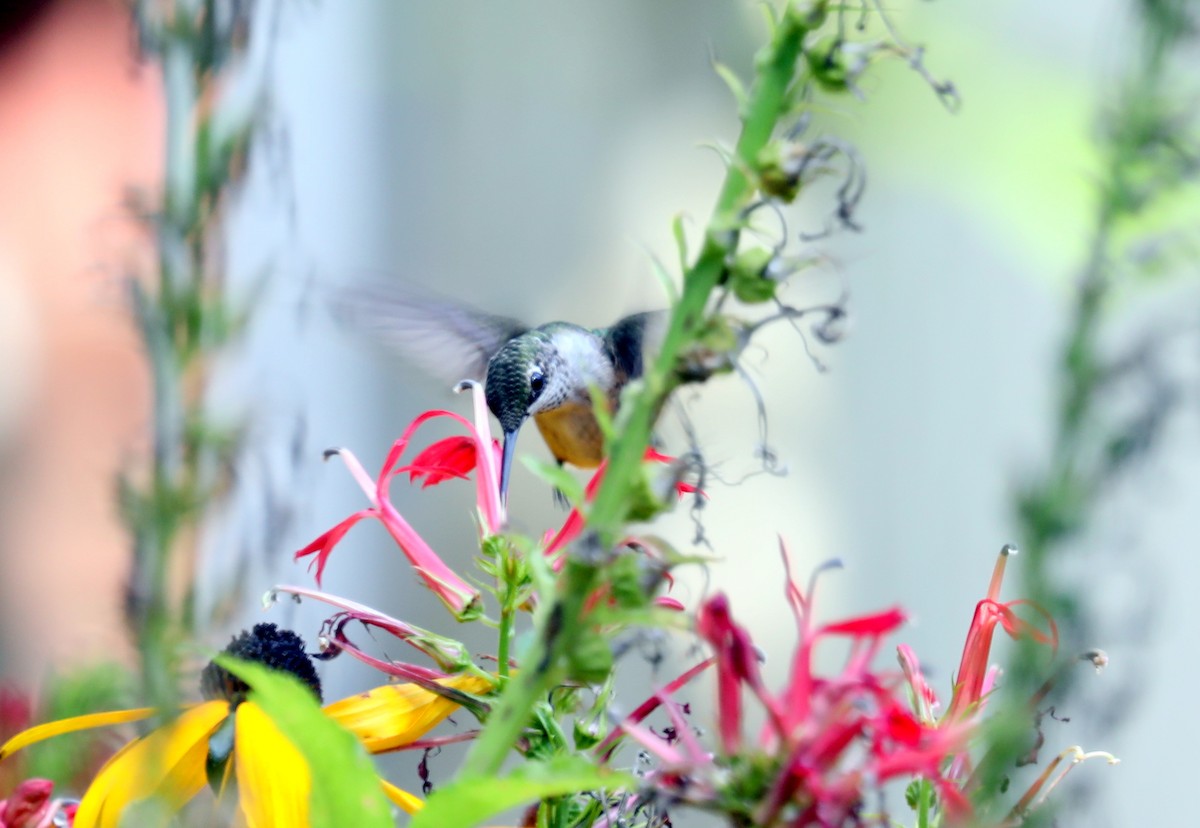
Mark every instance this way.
x=735 y=86
x=586 y=734
x=680 y=234
x=590 y=661
x=602 y=412
x=470 y=801
x=346 y=788
x=625 y=582
x=748 y=276
x=78 y=692
x=754 y=290
x=912 y=793
x=556 y=476
x=665 y=280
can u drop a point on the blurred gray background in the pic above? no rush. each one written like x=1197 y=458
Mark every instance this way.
x=528 y=158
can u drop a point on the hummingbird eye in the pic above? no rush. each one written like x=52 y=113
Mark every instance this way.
x=536 y=383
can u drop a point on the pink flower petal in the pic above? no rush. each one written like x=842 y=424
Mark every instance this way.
x=28 y=805
x=324 y=544
x=451 y=458
x=878 y=624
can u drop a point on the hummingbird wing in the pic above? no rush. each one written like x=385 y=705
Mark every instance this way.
x=448 y=340
x=633 y=339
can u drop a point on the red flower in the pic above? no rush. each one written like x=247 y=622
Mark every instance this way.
x=573 y=525
x=443 y=460
x=974 y=677
x=830 y=738
x=451 y=656
x=453 y=457
x=31 y=806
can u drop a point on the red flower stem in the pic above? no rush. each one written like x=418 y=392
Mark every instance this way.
x=998 y=571
x=606 y=747
x=436 y=741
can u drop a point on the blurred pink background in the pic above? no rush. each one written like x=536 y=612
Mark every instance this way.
x=80 y=124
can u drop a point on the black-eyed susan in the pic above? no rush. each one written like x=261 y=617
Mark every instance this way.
x=231 y=742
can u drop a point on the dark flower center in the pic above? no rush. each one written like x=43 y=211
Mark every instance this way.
x=268 y=645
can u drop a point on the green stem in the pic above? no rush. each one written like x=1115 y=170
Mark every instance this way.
x=559 y=626
x=163 y=511
x=923 y=803
x=155 y=525
x=1060 y=501
x=776 y=70
x=506 y=622
x=542 y=668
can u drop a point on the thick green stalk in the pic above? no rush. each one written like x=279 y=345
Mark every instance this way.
x=561 y=626
x=776 y=71
x=155 y=525
x=1143 y=133
x=183 y=320
x=506 y=625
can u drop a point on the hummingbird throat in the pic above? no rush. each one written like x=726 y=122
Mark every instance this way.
x=572 y=434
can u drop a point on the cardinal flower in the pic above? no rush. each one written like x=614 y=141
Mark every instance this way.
x=449 y=458
x=977 y=679
x=572 y=528
x=232 y=734
x=829 y=740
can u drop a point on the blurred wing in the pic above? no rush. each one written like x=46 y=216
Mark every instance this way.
x=634 y=339
x=447 y=340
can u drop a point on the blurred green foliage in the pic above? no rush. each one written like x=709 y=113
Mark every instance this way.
x=71 y=761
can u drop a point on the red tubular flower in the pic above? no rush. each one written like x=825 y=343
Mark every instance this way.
x=976 y=676
x=451 y=656
x=830 y=740
x=737 y=665
x=573 y=525
x=608 y=745
x=924 y=700
x=453 y=457
x=830 y=737
x=441 y=461
x=31 y=806
x=972 y=683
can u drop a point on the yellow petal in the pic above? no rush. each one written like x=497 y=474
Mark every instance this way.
x=407 y=802
x=394 y=715
x=44 y=731
x=273 y=778
x=168 y=763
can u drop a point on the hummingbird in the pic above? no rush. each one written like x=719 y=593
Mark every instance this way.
x=544 y=372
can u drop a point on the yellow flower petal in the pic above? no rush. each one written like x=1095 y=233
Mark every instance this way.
x=404 y=800
x=273 y=778
x=168 y=763
x=44 y=731
x=395 y=714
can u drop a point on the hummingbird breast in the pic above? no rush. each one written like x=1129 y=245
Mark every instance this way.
x=572 y=434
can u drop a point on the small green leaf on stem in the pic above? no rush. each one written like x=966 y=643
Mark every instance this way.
x=678 y=231
x=556 y=476
x=735 y=86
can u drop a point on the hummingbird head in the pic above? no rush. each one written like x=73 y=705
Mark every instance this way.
x=516 y=377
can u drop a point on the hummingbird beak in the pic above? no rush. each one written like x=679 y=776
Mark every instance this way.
x=510 y=447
